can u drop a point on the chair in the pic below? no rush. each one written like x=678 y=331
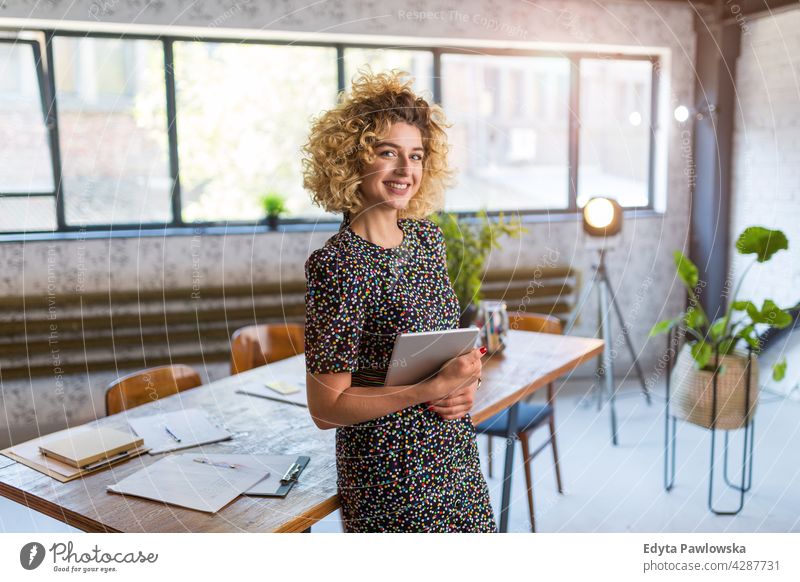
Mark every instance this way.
x=531 y=416
x=148 y=385
x=257 y=345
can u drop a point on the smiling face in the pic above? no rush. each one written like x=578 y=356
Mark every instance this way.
x=394 y=177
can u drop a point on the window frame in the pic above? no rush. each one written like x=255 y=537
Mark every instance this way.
x=177 y=226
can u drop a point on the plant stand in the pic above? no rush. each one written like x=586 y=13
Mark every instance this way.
x=670 y=426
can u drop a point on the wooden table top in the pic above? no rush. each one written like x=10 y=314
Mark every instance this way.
x=530 y=361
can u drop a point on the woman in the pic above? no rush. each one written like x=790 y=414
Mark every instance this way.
x=406 y=456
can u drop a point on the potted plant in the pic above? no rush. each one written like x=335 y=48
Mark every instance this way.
x=274 y=205
x=717 y=348
x=468 y=246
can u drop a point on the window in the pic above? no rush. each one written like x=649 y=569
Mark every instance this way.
x=510 y=133
x=243 y=114
x=113 y=130
x=25 y=160
x=615 y=131
x=418 y=63
x=151 y=132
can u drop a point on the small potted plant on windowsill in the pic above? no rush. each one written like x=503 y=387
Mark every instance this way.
x=468 y=246
x=714 y=348
x=274 y=205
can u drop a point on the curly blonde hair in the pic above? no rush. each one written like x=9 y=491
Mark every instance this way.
x=342 y=139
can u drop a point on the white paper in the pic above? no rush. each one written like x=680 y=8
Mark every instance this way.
x=179 y=480
x=191 y=425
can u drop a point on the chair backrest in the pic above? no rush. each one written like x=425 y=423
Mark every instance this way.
x=148 y=385
x=540 y=322
x=257 y=345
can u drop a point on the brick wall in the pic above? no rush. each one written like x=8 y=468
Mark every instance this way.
x=766 y=154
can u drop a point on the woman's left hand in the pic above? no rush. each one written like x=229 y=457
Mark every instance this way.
x=456 y=404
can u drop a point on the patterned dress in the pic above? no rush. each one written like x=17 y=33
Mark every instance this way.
x=411 y=470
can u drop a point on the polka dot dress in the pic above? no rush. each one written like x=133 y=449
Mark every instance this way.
x=409 y=471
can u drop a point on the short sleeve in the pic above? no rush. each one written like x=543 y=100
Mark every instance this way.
x=334 y=314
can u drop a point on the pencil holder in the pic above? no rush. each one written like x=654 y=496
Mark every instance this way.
x=492 y=319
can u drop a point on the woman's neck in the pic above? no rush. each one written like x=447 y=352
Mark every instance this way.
x=379 y=228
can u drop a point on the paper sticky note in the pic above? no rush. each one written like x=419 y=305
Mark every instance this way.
x=282 y=387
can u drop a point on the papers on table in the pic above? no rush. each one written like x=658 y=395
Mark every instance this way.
x=171 y=431
x=91 y=448
x=284 y=381
x=263 y=389
x=180 y=480
x=28 y=454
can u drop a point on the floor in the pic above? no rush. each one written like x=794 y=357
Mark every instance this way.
x=619 y=489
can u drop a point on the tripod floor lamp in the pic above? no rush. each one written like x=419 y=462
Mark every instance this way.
x=602 y=218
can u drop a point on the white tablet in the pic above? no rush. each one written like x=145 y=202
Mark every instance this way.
x=418 y=356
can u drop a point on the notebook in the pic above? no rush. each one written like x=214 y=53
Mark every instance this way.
x=84 y=449
x=29 y=454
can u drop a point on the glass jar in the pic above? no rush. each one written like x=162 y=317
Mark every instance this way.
x=492 y=319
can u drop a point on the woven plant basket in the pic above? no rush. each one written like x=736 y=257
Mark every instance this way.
x=692 y=390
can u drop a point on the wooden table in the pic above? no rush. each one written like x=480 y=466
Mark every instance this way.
x=530 y=361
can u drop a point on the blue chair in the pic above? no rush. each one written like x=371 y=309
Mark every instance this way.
x=531 y=416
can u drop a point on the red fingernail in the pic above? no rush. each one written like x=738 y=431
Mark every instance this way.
x=483 y=349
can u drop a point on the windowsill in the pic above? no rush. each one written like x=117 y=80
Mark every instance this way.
x=259 y=229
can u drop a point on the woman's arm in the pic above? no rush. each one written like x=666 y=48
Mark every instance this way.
x=333 y=402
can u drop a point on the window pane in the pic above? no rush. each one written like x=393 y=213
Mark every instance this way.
x=510 y=131
x=615 y=131
x=243 y=114
x=113 y=130
x=27 y=213
x=25 y=162
x=418 y=63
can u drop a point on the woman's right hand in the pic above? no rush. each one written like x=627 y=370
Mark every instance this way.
x=457 y=374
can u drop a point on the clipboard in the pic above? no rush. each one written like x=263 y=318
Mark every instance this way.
x=284 y=473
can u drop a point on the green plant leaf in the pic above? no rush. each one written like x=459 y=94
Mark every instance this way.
x=726 y=346
x=779 y=370
x=773 y=315
x=701 y=352
x=468 y=246
x=687 y=271
x=717 y=329
x=662 y=327
x=695 y=319
x=743 y=305
x=761 y=242
x=749 y=335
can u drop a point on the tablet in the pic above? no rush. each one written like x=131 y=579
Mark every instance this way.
x=418 y=356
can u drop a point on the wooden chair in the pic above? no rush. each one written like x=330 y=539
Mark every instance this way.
x=257 y=345
x=531 y=416
x=148 y=385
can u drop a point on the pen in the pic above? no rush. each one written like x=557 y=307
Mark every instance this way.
x=491 y=330
x=172 y=434
x=208 y=462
